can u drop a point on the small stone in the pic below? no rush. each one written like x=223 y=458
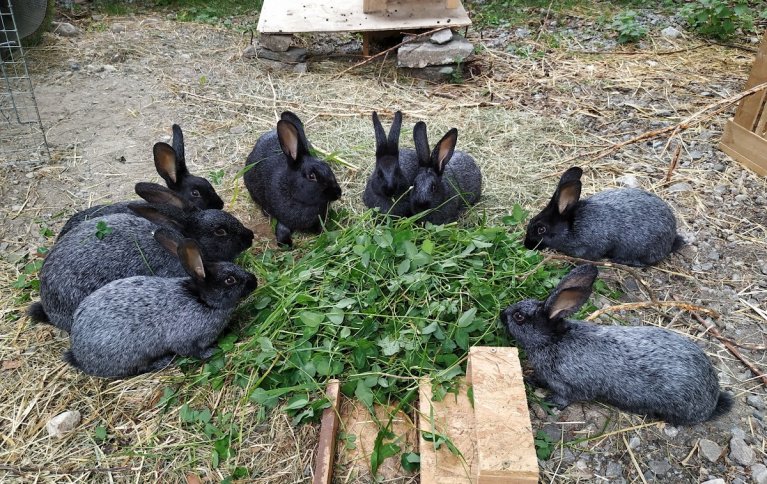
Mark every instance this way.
x=250 y=52
x=185 y=56
x=759 y=473
x=16 y=208
x=719 y=167
x=696 y=155
x=634 y=442
x=118 y=28
x=292 y=55
x=715 y=481
x=59 y=425
x=65 y=29
x=670 y=33
x=614 y=469
x=740 y=452
x=301 y=68
x=755 y=400
x=442 y=37
x=97 y=17
x=741 y=198
x=679 y=188
x=709 y=449
x=660 y=467
x=738 y=432
x=447 y=70
x=109 y=68
x=713 y=255
x=239 y=129
x=629 y=181
x=522 y=33
x=73 y=64
x=275 y=43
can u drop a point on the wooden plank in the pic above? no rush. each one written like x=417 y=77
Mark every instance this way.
x=326 y=451
x=504 y=434
x=370 y=6
x=453 y=417
x=744 y=146
x=294 y=16
x=751 y=106
x=451 y=3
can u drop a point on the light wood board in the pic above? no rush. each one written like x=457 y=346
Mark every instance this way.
x=750 y=108
x=504 y=434
x=326 y=449
x=745 y=147
x=303 y=16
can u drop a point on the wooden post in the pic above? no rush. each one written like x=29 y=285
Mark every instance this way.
x=326 y=451
x=371 y=6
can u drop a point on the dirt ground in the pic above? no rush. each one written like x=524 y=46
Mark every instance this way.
x=107 y=95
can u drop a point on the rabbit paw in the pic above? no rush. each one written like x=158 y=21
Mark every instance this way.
x=284 y=235
x=206 y=353
x=558 y=401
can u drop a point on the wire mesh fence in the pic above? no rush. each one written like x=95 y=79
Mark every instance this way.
x=22 y=136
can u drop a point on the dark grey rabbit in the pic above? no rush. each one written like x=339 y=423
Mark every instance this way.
x=626 y=225
x=388 y=186
x=138 y=324
x=170 y=163
x=288 y=182
x=89 y=257
x=642 y=369
x=447 y=181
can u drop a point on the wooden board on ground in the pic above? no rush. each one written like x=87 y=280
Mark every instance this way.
x=453 y=417
x=300 y=16
x=504 y=435
x=326 y=449
x=356 y=420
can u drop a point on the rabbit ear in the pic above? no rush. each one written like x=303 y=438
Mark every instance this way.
x=154 y=193
x=296 y=121
x=191 y=259
x=166 y=163
x=178 y=147
x=444 y=150
x=381 y=146
x=421 y=144
x=393 y=140
x=571 y=292
x=569 y=190
x=155 y=215
x=169 y=239
x=290 y=142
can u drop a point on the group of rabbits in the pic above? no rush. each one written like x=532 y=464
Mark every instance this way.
x=161 y=282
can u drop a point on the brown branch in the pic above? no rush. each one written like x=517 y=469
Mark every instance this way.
x=386 y=52
x=674 y=161
x=685 y=124
x=643 y=304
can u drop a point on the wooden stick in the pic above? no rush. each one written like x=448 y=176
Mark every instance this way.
x=643 y=304
x=674 y=162
x=384 y=52
x=326 y=451
x=731 y=347
x=669 y=129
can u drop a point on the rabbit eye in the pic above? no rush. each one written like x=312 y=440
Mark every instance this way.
x=541 y=230
x=220 y=232
x=312 y=177
x=196 y=193
x=518 y=317
x=230 y=281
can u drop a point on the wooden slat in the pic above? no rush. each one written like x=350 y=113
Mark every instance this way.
x=746 y=147
x=502 y=420
x=750 y=106
x=451 y=3
x=326 y=451
x=453 y=417
x=370 y=6
x=298 y=16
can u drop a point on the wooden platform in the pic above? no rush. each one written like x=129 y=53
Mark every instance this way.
x=303 y=16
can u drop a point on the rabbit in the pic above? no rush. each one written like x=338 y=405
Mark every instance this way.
x=136 y=325
x=287 y=182
x=171 y=165
x=644 y=369
x=447 y=181
x=89 y=257
x=388 y=186
x=625 y=225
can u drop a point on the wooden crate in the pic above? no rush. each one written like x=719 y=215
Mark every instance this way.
x=745 y=135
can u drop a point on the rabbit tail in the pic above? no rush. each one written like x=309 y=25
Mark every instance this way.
x=723 y=405
x=37 y=313
x=69 y=357
x=679 y=242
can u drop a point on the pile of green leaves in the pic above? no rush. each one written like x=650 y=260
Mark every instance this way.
x=720 y=19
x=376 y=304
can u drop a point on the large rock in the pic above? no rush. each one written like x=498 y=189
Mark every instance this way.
x=425 y=53
x=59 y=425
x=65 y=29
x=275 y=42
x=294 y=55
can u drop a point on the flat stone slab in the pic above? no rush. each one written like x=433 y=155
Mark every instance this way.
x=425 y=53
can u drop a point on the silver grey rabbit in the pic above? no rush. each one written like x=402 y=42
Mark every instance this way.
x=626 y=225
x=640 y=369
x=104 y=249
x=447 y=181
x=287 y=182
x=138 y=324
x=388 y=185
x=170 y=163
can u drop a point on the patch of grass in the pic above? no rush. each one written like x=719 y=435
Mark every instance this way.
x=210 y=11
x=719 y=19
x=627 y=25
x=377 y=305
x=500 y=13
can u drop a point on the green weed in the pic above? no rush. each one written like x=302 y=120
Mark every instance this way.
x=718 y=19
x=628 y=27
